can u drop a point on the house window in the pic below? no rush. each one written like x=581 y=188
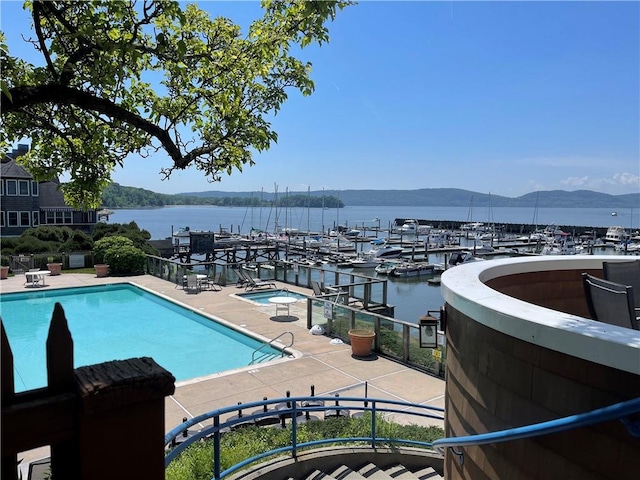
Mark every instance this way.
x=35 y=218
x=34 y=189
x=64 y=217
x=1 y=187
x=12 y=187
x=2 y=220
x=12 y=218
x=23 y=187
x=25 y=218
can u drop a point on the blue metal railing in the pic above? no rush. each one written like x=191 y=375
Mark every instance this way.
x=293 y=408
x=618 y=411
x=297 y=406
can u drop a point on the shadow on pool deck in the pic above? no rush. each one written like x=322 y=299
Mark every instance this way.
x=329 y=367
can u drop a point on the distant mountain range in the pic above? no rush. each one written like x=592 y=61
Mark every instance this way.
x=454 y=197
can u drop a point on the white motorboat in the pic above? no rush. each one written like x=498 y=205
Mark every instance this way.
x=385 y=268
x=615 y=234
x=413 y=269
x=387 y=251
x=459 y=258
x=365 y=260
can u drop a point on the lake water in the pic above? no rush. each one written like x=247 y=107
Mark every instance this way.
x=411 y=296
x=160 y=221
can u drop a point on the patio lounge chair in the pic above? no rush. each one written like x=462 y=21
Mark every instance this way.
x=242 y=278
x=610 y=302
x=253 y=283
x=213 y=283
x=317 y=290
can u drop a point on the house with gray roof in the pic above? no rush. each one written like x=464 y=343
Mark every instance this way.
x=27 y=203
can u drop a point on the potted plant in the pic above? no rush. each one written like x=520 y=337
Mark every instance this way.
x=53 y=267
x=102 y=269
x=4 y=268
x=361 y=342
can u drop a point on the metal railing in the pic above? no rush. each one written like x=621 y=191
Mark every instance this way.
x=395 y=338
x=292 y=409
x=618 y=411
x=270 y=343
x=299 y=406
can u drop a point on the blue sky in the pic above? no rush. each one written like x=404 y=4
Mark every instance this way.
x=499 y=97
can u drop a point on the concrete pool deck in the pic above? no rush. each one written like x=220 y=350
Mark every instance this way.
x=331 y=368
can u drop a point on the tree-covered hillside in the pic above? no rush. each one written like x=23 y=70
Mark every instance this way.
x=118 y=196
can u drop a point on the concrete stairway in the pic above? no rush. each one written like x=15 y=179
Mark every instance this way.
x=372 y=471
x=351 y=463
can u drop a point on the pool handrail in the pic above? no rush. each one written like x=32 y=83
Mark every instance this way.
x=270 y=344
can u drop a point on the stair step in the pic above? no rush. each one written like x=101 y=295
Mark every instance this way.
x=373 y=471
x=345 y=473
x=400 y=472
x=318 y=475
x=427 y=473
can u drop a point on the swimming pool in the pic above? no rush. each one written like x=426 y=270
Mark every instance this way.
x=116 y=322
x=264 y=296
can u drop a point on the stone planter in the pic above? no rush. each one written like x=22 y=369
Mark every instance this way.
x=4 y=272
x=361 y=342
x=54 y=268
x=102 y=269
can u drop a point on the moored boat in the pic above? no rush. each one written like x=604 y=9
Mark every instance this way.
x=385 y=268
x=386 y=251
x=615 y=234
x=413 y=269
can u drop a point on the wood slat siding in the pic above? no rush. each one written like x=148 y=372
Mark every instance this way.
x=495 y=382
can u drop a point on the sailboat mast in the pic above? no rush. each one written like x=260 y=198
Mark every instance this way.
x=322 y=210
x=308 y=209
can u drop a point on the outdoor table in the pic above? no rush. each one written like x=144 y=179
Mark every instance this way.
x=282 y=303
x=37 y=278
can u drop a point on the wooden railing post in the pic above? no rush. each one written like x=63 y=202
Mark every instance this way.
x=60 y=379
x=121 y=419
x=9 y=469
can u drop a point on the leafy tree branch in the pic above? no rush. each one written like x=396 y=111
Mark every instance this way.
x=119 y=78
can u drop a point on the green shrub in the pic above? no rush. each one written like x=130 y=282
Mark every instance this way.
x=49 y=234
x=8 y=245
x=30 y=244
x=125 y=259
x=79 y=241
x=101 y=246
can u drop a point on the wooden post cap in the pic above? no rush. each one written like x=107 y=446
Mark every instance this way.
x=117 y=383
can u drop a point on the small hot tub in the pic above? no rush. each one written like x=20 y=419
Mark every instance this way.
x=263 y=296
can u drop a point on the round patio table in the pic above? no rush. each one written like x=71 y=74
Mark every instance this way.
x=282 y=303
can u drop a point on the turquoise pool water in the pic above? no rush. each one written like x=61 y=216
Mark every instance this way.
x=264 y=296
x=116 y=322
